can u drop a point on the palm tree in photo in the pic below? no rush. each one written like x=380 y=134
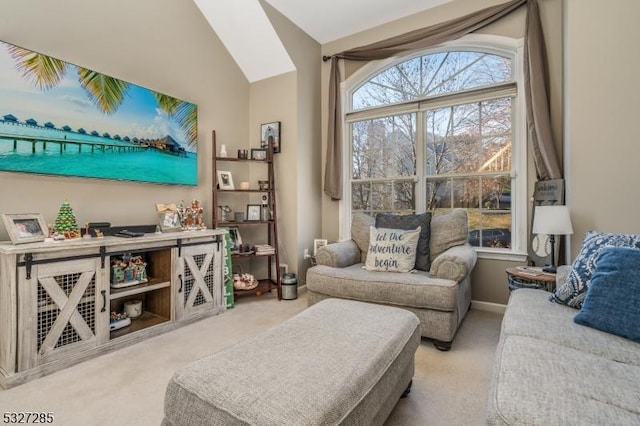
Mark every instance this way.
x=184 y=113
x=107 y=93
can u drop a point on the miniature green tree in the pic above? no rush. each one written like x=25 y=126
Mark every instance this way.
x=66 y=221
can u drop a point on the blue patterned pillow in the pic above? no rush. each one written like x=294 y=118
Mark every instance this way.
x=612 y=303
x=574 y=290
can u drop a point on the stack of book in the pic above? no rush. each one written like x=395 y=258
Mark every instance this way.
x=264 y=249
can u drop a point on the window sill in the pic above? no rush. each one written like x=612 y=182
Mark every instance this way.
x=496 y=254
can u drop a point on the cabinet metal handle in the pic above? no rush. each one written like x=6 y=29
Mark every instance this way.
x=104 y=300
x=180 y=278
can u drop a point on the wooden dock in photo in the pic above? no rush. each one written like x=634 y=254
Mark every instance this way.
x=39 y=141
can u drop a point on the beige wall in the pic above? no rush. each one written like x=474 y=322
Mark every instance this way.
x=488 y=280
x=164 y=45
x=602 y=92
x=274 y=99
x=294 y=99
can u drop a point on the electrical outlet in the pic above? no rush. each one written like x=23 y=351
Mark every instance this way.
x=306 y=253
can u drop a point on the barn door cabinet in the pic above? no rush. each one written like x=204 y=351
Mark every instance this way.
x=199 y=286
x=56 y=298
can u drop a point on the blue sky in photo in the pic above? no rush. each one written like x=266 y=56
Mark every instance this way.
x=69 y=104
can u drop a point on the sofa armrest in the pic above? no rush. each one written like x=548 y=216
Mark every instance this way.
x=455 y=263
x=339 y=255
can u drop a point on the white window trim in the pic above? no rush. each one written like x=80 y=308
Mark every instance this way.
x=504 y=46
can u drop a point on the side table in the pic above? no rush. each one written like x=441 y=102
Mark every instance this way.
x=530 y=277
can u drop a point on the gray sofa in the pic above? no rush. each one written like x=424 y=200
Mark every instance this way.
x=549 y=370
x=440 y=297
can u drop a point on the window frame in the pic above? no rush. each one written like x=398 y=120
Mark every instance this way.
x=499 y=45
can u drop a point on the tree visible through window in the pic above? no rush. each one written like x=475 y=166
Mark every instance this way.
x=433 y=133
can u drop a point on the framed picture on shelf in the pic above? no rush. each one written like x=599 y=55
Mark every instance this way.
x=258 y=154
x=236 y=240
x=25 y=228
x=270 y=132
x=253 y=211
x=169 y=221
x=225 y=180
x=317 y=243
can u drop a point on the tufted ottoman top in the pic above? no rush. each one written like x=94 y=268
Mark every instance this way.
x=312 y=369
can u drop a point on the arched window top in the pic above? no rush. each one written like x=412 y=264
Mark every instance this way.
x=431 y=75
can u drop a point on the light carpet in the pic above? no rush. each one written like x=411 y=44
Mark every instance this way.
x=126 y=387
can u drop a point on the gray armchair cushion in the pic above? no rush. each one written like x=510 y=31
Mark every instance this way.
x=411 y=221
x=455 y=263
x=417 y=290
x=339 y=255
x=448 y=230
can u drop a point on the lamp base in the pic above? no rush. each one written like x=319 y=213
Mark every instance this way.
x=550 y=269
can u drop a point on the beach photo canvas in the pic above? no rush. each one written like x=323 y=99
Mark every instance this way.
x=57 y=118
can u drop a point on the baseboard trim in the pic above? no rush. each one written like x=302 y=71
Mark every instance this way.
x=488 y=306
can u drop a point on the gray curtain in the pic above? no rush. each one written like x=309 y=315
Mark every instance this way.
x=535 y=76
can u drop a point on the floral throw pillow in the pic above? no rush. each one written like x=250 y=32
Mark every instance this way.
x=392 y=250
x=574 y=290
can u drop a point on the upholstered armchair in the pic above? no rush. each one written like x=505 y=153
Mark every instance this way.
x=440 y=295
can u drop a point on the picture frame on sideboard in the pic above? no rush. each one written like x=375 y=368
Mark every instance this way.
x=25 y=227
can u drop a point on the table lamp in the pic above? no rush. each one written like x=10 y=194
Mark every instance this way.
x=552 y=221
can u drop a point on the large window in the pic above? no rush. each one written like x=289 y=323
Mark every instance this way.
x=440 y=130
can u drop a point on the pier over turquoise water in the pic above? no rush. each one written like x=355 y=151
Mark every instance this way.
x=49 y=150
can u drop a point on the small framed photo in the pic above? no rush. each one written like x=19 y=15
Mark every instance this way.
x=236 y=240
x=259 y=154
x=25 y=228
x=270 y=133
x=225 y=180
x=169 y=221
x=253 y=211
x=317 y=244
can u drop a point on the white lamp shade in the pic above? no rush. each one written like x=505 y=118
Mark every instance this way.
x=552 y=220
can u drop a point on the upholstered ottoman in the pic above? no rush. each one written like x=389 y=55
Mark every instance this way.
x=338 y=362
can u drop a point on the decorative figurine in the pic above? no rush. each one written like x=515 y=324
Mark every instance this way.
x=87 y=233
x=197 y=213
x=49 y=235
x=182 y=214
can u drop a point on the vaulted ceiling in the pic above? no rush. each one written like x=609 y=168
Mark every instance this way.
x=247 y=33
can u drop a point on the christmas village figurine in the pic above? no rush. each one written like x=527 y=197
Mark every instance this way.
x=191 y=216
x=193 y=220
x=128 y=269
x=198 y=212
